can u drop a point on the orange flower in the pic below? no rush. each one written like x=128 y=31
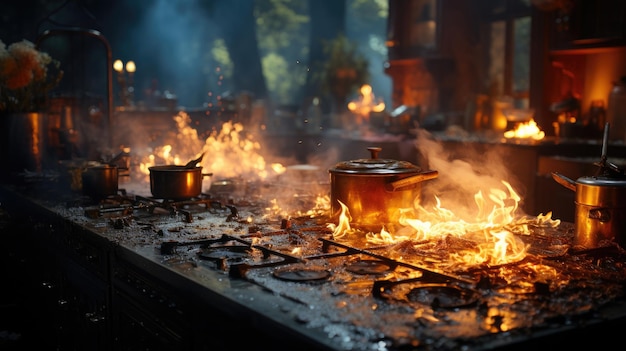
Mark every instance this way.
x=24 y=78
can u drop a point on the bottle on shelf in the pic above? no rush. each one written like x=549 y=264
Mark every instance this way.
x=616 y=111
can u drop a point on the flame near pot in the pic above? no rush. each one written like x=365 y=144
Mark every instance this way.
x=375 y=189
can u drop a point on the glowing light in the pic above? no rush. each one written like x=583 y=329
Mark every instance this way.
x=130 y=67
x=278 y=168
x=526 y=130
x=365 y=104
x=118 y=66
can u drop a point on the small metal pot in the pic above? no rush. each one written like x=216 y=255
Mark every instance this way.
x=375 y=189
x=600 y=209
x=100 y=181
x=176 y=182
x=600 y=202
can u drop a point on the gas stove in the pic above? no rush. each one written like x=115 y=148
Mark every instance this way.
x=362 y=296
x=347 y=293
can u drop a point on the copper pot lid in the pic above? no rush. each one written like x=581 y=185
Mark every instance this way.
x=375 y=165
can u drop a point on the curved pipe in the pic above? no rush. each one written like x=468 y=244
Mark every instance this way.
x=109 y=58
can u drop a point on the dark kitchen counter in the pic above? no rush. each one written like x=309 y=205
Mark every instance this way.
x=122 y=292
x=120 y=275
x=549 y=146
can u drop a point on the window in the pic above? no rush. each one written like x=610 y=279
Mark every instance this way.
x=509 y=50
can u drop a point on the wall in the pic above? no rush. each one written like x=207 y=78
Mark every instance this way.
x=441 y=77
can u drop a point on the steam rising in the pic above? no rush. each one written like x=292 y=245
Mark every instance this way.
x=460 y=179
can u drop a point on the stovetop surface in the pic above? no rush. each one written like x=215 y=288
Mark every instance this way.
x=362 y=296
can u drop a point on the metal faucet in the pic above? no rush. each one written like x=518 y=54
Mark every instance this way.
x=109 y=59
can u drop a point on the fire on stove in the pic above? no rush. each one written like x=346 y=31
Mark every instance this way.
x=433 y=280
x=443 y=273
x=408 y=294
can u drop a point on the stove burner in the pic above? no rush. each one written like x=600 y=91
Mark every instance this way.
x=231 y=252
x=123 y=205
x=302 y=274
x=443 y=296
x=369 y=267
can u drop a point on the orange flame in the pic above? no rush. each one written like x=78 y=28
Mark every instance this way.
x=526 y=130
x=366 y=104
x=230 y=152
x=343 y=229
x=491 y=233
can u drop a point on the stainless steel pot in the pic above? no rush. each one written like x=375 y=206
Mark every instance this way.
x=176 y=182
x=375 y=189
x=600 y=202
x=101 y=181
x=600 y=209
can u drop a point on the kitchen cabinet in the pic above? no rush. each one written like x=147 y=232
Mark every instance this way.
x=413 y=28
x=588 y=24
x=146 y=316
x=30 y=288
x=66 y=299
x=430 y=45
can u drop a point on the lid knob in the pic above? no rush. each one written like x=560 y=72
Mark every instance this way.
x=374 y=151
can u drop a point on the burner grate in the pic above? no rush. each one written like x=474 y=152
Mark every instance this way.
x=124 y=206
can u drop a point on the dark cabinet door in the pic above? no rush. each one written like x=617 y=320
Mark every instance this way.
x=589 y=24
x=413 y=28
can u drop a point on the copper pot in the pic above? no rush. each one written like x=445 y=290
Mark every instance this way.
x=176 y=182
x=100 y=181
x=375 y=189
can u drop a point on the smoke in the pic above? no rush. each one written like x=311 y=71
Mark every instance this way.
x=169 y=44
x=462 y=176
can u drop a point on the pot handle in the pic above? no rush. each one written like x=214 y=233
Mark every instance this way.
x=207 y=175
x=565 y=181
x=395 y=185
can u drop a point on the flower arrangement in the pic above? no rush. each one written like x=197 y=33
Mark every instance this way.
x=26 y=77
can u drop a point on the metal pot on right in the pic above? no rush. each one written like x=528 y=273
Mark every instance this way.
x=600 y=211
x=600 y=202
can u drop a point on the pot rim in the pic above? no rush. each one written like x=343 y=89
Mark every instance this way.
x=101 y=167
x=375 y=166
x=174 y=168
x=601 y=181
x=373 y=171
